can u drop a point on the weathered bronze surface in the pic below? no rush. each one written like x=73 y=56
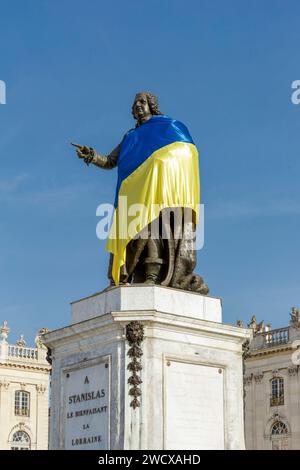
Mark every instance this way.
x=168 y=262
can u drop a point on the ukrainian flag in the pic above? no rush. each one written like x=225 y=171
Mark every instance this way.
x=157 y=167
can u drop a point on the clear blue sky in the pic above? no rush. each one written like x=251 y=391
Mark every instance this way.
x=72 y=68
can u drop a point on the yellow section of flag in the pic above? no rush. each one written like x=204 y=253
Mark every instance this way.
x=168 y=178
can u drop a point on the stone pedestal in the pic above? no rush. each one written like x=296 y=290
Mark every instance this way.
x=184 y=369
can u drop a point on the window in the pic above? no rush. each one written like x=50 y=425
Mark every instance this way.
x=279 y=428
x=279 y=435
x=22 y=403
x=277 y=392
x=20 y=441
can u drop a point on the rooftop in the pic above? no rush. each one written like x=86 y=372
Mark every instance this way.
x=19 y=354
x=266 y=338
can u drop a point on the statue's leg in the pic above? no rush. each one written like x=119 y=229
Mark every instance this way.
x=153 y=261
x=123 y=275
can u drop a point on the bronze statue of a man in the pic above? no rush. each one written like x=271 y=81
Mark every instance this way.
x=158 y=167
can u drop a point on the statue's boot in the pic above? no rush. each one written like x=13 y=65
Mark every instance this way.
x=153 y=268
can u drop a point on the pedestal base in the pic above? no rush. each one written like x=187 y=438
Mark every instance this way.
x=185 y=373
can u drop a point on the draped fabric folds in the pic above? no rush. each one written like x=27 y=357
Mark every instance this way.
x=157 y=168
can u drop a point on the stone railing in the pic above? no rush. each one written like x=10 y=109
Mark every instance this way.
x=22 y=412
x=276 y=401
x=275 y=337
x=21 y=352
x=271 y=338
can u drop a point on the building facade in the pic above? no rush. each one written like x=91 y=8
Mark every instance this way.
x=272 y=386
x=24 y=394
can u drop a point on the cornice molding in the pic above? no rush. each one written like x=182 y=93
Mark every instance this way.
x=7 y=365
x=268 y=352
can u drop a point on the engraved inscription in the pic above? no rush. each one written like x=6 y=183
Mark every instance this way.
x=86 y=403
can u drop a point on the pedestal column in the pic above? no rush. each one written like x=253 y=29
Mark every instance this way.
x=147 y=368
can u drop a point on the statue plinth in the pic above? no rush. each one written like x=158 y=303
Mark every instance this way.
x=147 y=367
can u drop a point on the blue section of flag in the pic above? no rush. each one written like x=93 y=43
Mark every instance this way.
x=141 y=142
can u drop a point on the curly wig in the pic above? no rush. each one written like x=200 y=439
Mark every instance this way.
x=152 y=102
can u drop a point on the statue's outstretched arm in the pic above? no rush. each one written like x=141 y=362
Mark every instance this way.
x=89 y=155
x=108 y=162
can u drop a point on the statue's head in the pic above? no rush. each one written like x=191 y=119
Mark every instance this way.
x=145 y=106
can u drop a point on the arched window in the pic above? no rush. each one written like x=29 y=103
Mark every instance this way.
x=22 y=403
x=20 y=441
x=279 y=436
x=279 y=428
x=277 y=392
